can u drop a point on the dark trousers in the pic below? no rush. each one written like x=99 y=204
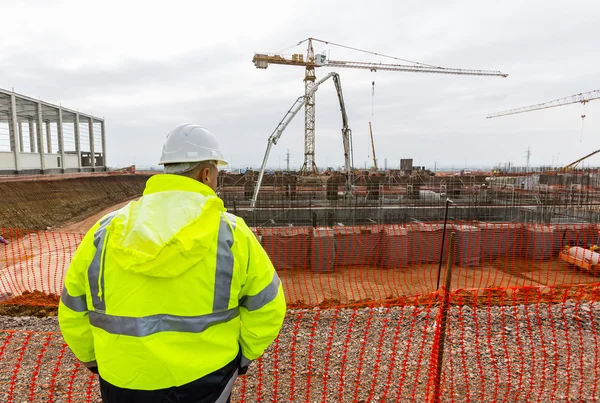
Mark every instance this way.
x=208 y=389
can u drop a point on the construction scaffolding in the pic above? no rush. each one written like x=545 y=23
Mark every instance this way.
x=394 y=197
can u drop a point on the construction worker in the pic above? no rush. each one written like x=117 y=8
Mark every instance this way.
x=170 y=297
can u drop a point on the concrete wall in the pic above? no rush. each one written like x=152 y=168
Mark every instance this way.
x=7 y=161
x=51 y=161
x=70 y=161
x=29 y=160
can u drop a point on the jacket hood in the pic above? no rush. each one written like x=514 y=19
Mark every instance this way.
x=167 y=231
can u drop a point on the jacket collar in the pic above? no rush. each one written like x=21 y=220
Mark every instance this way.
x=168 y=182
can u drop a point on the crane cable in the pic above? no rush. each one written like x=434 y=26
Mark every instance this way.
x=369 y=52
x=292 y=46
x=581 y=135
x=363 y=51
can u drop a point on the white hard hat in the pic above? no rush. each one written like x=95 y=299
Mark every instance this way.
x=191 y=143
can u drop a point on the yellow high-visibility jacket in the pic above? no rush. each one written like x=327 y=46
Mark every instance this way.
x=168 y=289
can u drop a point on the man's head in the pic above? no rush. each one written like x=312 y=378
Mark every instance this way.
x=192 y=151
x=204 y=171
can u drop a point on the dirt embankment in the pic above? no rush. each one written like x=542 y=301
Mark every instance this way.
x=37 y=205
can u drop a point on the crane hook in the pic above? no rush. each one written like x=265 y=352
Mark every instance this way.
x=581 y=135
x=372 y=96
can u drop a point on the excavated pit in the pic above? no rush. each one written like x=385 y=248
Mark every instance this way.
x=42 y=204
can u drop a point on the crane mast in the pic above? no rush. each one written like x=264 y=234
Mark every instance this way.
x=309 y=167
x=263 y=60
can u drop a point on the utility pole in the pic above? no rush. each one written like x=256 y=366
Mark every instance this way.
x=287 y=159
x=528 y=154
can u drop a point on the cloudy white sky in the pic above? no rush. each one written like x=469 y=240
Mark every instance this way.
x=148 y=66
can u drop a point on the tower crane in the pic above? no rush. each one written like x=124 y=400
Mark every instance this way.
x=297 y=105
x=583 y=97
x=312 y=61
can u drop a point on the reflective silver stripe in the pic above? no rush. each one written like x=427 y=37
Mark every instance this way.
x=224 y=273
x=77 y=304
x=228 y=388
x=90 y=364
x=94 y=269
x=147 y=325
x=268 y=294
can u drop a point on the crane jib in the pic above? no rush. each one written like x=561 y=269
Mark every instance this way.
x=583 y=98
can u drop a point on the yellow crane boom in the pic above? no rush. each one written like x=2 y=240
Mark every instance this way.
x=373 y=146
x=575 y=163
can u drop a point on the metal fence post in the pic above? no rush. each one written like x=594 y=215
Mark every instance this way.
x=440 y=336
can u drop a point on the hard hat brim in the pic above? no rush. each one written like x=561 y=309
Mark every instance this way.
x=220 y=163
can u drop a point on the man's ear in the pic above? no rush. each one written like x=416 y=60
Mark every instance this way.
x=206 y=176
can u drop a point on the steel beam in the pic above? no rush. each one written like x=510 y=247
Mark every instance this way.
x=92 y=151
x=45 y=104
x=77 y=142
x=13 y=129
x=21 y=145
x=103 y=133
x=49 y=137
x=40 y=137
x=32 y=147
x=61 y=140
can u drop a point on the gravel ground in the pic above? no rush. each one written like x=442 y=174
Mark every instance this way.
x=521 y=353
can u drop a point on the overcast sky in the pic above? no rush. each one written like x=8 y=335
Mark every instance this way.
x=148 y=66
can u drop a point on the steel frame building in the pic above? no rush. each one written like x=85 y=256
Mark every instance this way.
x=37 y=137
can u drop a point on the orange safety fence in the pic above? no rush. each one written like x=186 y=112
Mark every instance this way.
x=512 y=352
x=345 y=266
x=523 y=318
